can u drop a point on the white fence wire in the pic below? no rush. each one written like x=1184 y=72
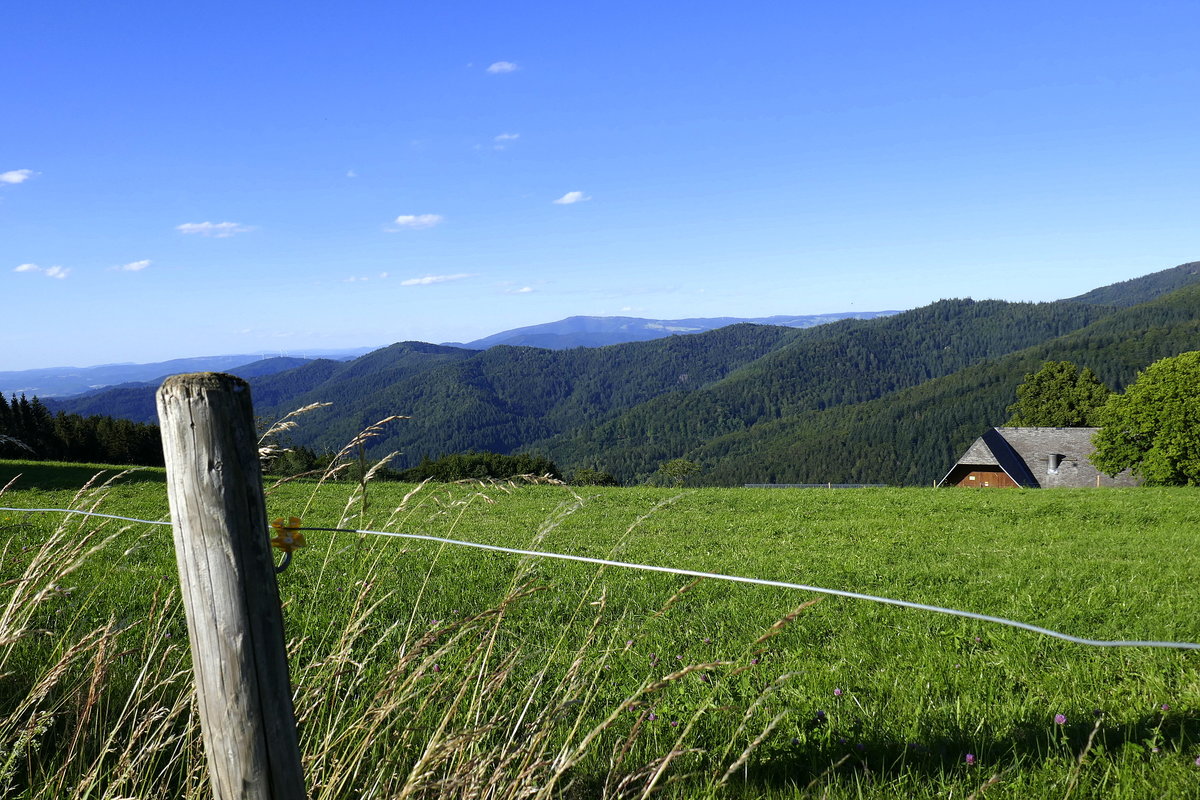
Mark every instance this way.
x=604 y=562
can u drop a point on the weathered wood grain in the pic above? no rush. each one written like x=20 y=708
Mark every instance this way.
x=227 y=576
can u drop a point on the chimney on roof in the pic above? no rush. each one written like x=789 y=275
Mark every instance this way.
x=1053 y=460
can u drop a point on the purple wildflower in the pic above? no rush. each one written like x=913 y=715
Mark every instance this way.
x=820 y=716
x=1165 y=707
x=437 y=668
x=837 y=692
x=1060 y=719
x=970 y=759
x=1198 y=761
x=652 y=716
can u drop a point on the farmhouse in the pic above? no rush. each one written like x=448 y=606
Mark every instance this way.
x=1031 y=458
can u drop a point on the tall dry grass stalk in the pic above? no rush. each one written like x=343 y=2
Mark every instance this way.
x=386 y=707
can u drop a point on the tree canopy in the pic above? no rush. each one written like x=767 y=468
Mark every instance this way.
x=1059 y=395
x=1154 y=427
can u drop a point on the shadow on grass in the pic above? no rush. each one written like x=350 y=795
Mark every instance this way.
x=850 y=757
x=56 y=475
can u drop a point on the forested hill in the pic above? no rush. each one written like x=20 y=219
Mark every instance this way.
x=1143 y=289
x=751 y=403
x=913 y=436
x=506 y=398
x=846 y=362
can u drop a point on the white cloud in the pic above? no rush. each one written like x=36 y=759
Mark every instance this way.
x=217 y=230
x=522 y=290
x=429 y=280
x=417 y=221
x=16 y=175
x=133 y=266
x=49 y=272
x=572 y=197
x=501 y=141
x=351 y=173
x=501 y=67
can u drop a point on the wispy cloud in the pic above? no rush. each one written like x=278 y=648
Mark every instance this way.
x=571 y=198
x=522 y=290
x=429 y=280
x=351 y=173
x=416 y=221
x=133 y=266
x=501 y=67
x=217 y=230
x=502 y=141
x=49 y=272
x=16 y=175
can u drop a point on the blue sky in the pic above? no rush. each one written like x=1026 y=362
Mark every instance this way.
x=181 y=180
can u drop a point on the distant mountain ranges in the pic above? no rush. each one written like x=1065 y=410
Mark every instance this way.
x=890 y=399
x=601 y=331
x=66 y=381
x=567 y=333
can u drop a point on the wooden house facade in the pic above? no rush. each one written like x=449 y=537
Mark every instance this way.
x=1032 y=458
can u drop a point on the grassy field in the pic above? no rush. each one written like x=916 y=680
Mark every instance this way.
x=426 y=670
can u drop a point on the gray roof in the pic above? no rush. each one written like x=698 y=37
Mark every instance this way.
x=1041 y=457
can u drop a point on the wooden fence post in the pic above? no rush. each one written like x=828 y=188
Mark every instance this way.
x=227 y=577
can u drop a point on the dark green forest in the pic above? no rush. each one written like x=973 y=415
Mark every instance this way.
x=887 y=400
x=29 y=430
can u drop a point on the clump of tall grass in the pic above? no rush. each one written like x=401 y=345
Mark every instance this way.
x=388 y=706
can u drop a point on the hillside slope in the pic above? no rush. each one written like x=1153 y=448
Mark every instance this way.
x=846 y=362
x=1143 y=289
x=505 y=398
x=911 y=437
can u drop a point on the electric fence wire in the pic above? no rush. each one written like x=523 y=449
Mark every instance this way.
x=691 y=573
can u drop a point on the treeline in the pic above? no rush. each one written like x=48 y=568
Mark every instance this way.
x=446 y=469
x=462 y=466
x=28 y=430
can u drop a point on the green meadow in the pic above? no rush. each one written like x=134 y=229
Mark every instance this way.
x=431 y=670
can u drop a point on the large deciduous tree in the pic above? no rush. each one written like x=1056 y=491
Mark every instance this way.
x=1154 y=427
x=1059 y=395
